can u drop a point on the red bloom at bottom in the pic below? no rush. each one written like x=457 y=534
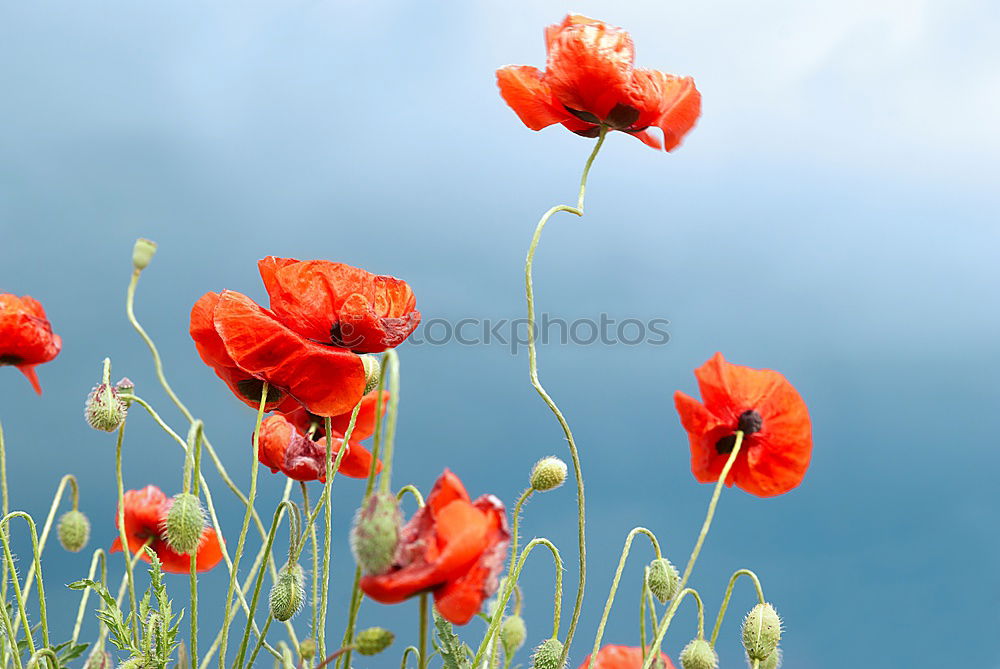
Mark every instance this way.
x=145 y=513
x=623 y=657
x=452 y=547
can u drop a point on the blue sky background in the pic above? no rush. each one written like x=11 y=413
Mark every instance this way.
x=833 y=216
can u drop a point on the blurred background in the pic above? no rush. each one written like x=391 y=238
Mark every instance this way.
x=832 y=216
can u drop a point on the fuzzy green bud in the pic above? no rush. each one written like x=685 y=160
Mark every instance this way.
x=373 y=640
x=513 y=632
x=142 y=253
x=699 y=654
x=307 y=649
x=761 y=631
x=99 y=659
x=373 y=369
x=73 y=530
x=104 y=410
x=137 y=662
x=184 y=524
x=547 y=655
x=287 y=593
x=375 y=533
x=663 y=579
x=773 y=660
x=548 y=474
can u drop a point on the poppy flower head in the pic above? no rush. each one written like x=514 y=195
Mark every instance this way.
x=339 y=305
x=453 y=547
x=145 y=513
x=623 y=657
x=777 y=441
x=301 y=454
x=590 y=81
x=26 y=338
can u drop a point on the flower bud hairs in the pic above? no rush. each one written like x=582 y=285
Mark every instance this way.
x=548 y=474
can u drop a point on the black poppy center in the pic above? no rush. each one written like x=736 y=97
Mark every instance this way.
x=748 y=423
x=9 y=359
x=252 y=389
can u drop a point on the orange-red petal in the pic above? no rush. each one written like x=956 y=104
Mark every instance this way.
x=523 y=89
x=623 y=657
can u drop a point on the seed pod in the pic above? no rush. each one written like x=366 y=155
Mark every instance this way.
x=373 y=640
x=513 y=632
x=375 y=533
x=548 y=474
x=287 y=593
x=699 y=655
x=547 y=655
x=761 y=631
x=73 y=530
x=663 y=579
x=184 y=524
x=142 y=253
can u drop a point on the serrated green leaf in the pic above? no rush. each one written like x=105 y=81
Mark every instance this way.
x=454 y=653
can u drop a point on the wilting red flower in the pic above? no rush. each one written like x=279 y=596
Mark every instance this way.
x=26 y=338
x=285 y=444
x=777 y=442
x=305 y=347
x=590 y=80
x=145 y=514
x=452 y=547
x=623 y=657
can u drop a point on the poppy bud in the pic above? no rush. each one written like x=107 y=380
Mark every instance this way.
x=74 y=531
x=133 y=663
x=184 y=524
x=699 y=655
x=512 y=634
x=142 y=253
x=761 y=631
x=99 y=659
x=773 y=661
x=307 y=649
x=373 y=640
x=125 y=389
x=104 y=410
x=376 y=533
x=663 y=579
x=373 y=369
x=548 y=474
x=547 y=655
x=288 y=593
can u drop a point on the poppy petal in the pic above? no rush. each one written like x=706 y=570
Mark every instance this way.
x=523 y=89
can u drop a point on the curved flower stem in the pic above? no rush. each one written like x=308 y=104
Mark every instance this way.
x=729 y=591
x=254 y=462
x=661 y=631
x=39 y=654
x=505 y=596
x=418 y=498
x=126 y=552
x=410 y=650
x=533 y=368
x=192 y=470
x=99 y=554
x=18 y=595
x=424 y=609
x=614 y=586
x=331 y=471
x=11 y=635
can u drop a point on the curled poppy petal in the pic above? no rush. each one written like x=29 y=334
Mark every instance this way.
x=284 y=447
x=777 y=442
x=523 y=89
x=26 y=337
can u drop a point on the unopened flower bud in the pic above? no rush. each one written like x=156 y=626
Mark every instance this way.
x=512 y=634
x=373 y=640
x=142 y=253
x=548 y=474
x=663 y=579
x=73 y=530
x=761 y=631
x=373 y=369
x=375 y=534
x=547 y=655
x=307 y=649
x=99 y=659
x=137 y=662
x=288 y=593
x=104 y=410
x=184 y=524
x=699 y=654
x=773 y=661
x=125 y=389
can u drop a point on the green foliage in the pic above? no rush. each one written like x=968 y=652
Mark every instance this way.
x=454 y=653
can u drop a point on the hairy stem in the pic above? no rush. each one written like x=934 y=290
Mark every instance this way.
x=729 y=591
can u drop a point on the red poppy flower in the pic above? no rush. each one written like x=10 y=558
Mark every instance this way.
x=145 y=514
x=335 y=304
x=590 y=80
x=452 y=547
x=623 y=657
x=777 y=441
x=26 y=338
x=285 y=444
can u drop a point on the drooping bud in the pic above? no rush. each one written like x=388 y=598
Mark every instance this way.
x=126 y=390
x=373 y=369
x=699 y=654
x=73 y=530
x=104 y=410
x=184 y=524
x=99 y=659
x=307 y=649
x=548 y=474
x=663 y=579
x=375 y=533
x=761 y=631
x=547 y=655
x=373 y=640
x=513 y=632
x=142 y=253
x=287 y=593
